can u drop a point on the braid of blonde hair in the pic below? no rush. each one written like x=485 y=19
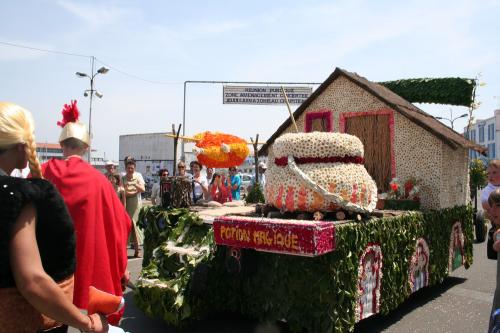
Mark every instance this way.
x=34 y=163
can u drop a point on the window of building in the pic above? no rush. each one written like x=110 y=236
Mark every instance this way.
x=491 y=132
x=473 y=135
x=320 y=121
x=481 y=133
x=491 y=150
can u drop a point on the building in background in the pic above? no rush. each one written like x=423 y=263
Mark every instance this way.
x=483 y=132
x=98 y=161
x=152 y=152
x=46 y=151
x=248 y=165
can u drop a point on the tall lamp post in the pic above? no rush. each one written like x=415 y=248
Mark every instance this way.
x=451 y=119
x=91 y=92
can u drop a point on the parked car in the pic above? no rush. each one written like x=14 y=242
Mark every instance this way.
x=246 y=182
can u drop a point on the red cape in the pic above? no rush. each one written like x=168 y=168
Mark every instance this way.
x=101 y=225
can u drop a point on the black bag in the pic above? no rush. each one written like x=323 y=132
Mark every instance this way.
x=495 y=322
x=490 y=252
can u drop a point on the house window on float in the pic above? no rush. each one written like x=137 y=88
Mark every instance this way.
x=320 y=121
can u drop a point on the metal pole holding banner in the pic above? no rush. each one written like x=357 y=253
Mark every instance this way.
x=228 y=82
x=289 y=110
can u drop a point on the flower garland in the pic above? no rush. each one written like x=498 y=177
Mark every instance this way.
x=371 y=253
x=414 y=264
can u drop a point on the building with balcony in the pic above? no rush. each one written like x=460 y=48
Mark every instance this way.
x=483 y=132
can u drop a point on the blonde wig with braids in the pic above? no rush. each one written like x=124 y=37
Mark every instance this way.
x=17 y=126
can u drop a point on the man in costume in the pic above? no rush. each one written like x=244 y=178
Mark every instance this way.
x=101 y=223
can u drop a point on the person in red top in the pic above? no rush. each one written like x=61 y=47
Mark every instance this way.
x=218 y=191
x=101 y=223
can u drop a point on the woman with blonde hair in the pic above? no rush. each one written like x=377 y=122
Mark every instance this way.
x=37 y=240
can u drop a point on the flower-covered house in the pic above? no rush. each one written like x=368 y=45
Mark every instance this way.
x=400 y=140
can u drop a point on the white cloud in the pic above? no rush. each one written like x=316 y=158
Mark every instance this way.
x=211 y=28
x=96 y=16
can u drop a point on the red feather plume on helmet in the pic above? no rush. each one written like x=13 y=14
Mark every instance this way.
x=70 y=114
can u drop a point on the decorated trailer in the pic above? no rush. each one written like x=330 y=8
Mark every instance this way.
x=318 y=276
x=318 y=254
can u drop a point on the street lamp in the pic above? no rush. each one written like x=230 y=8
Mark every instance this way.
x=91 y=92
x=451 y=119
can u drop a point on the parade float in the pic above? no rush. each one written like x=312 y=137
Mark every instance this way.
x=319 y=254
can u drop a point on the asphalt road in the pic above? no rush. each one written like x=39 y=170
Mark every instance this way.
x=461 y=304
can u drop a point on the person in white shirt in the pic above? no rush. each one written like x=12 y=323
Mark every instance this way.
x=493 y=171
x=200 y=185
x=155 y=192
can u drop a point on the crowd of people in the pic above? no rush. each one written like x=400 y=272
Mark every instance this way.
x=62 y=230
x=207 y=186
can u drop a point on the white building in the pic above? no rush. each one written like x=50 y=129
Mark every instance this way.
x=483 y=132
x=152 y=152
x=248 y=165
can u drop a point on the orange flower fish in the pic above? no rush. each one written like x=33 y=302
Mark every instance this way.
x=219 y=150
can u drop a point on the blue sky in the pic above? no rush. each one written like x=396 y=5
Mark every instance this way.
x=170 y=42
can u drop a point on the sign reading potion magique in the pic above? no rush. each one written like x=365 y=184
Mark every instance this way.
x=304 y=238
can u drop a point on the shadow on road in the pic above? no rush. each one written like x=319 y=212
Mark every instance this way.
x=379 y=323
x=135 y=321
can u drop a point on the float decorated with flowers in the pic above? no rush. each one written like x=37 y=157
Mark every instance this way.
x=319 y=171
x=359 y=214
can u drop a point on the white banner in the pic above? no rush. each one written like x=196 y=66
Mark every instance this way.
x=264 y=95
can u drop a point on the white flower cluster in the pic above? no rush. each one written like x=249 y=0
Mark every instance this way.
x=317 y=144
x=350 y=181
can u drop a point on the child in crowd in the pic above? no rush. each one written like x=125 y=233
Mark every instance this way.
x=493 y=183
x=116 y=181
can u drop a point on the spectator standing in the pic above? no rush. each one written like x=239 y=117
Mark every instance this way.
x=134 y=186
x=116 y=181
x=200 y=185
x=110 y=168
x=234 y=182
x=218 y=191
x=155 y=192
x=210 y=174
x=493 y=172
x=99 y=218
x=494 y=212
x=181 y=170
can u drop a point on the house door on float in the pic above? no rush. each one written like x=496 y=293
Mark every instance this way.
x=374 y=133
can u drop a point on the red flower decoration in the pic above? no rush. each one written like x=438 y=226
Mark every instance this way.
x=70 y=114
x=408 y=188
x=394 y=187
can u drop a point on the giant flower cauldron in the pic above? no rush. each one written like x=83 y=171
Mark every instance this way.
x=319 y=171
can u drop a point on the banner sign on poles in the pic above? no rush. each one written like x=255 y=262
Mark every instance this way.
x=264 y=95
